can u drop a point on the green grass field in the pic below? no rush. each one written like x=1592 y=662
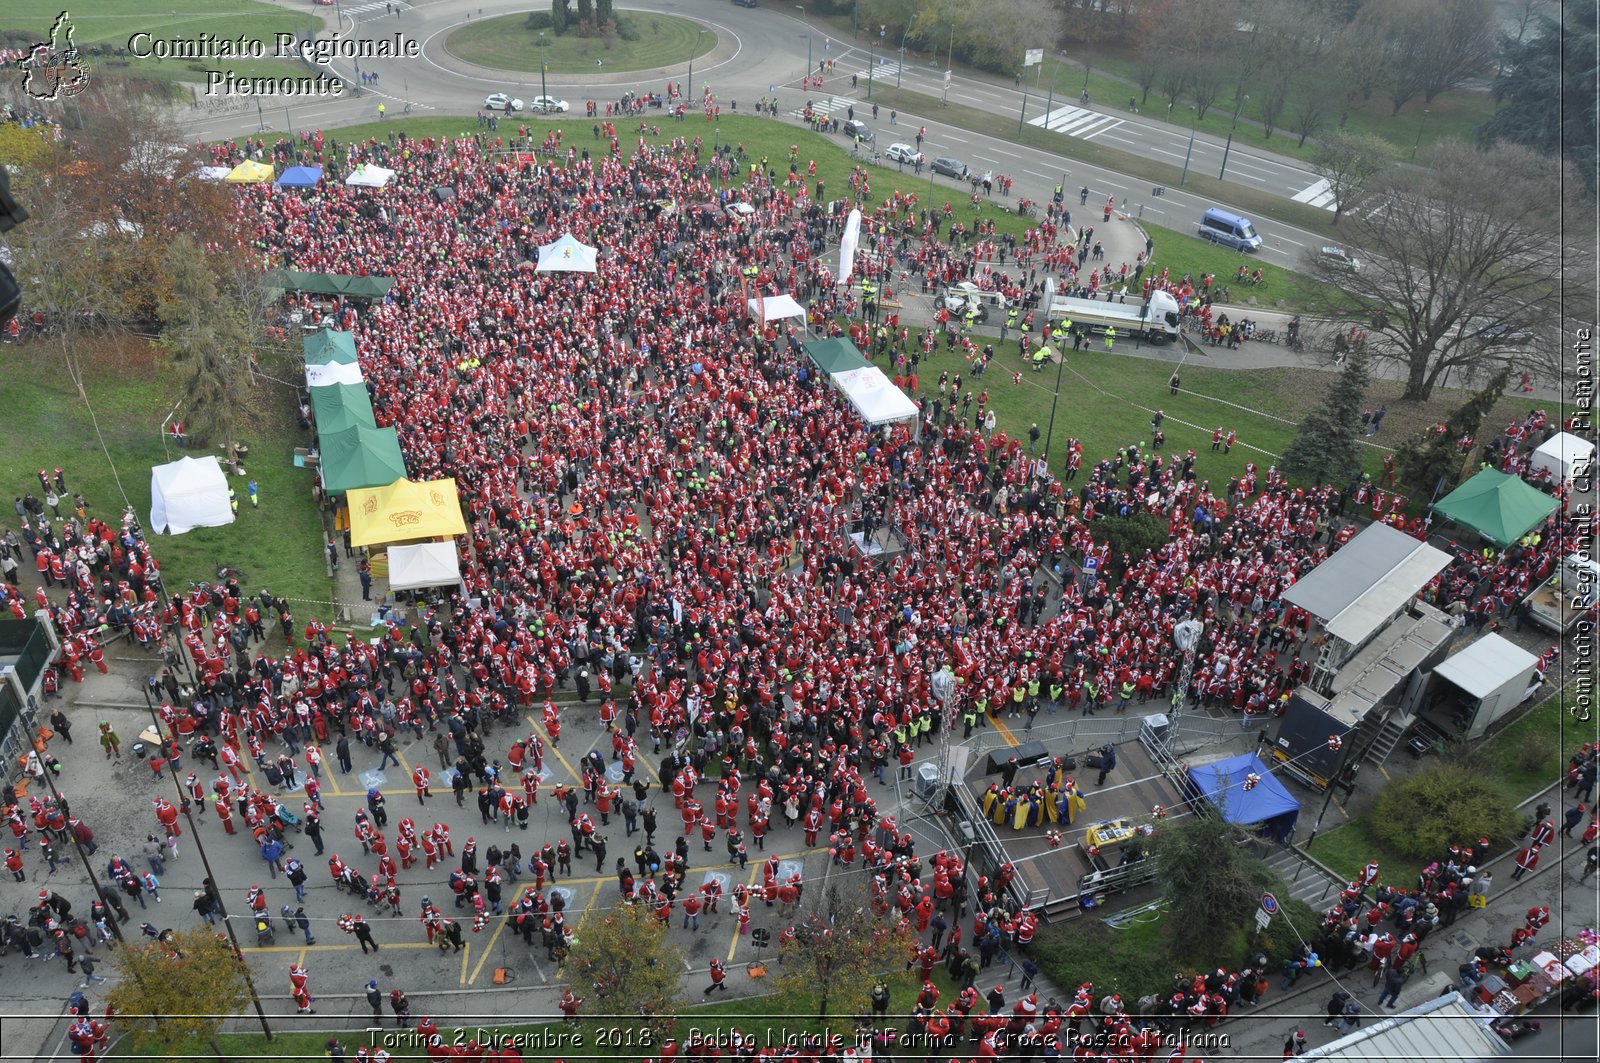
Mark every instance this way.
x=102 y=26
x=278 y=546
x=1280 y=288
x=506 y=43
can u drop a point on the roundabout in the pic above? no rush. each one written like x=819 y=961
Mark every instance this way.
x=510 y=42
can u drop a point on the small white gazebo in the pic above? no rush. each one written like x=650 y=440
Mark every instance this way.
x=566 y=255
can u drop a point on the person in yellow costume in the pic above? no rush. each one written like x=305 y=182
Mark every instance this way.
x=990 y=796
x=1072 y=802
x=1019 y=818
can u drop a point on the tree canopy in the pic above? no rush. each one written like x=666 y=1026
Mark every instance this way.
x=1328 y=446
x=1212 y=885
x=1546 y=90
x=839 y=950
x=171 y=998
x=627 y=960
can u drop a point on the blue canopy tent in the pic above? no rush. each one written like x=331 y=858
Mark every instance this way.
x=1268 y=803
x=300 y=177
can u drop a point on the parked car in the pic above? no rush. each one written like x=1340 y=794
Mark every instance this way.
x=745 y=3
x=1339 y=258
x=856 y=128
x=903 y=153
x=549 y=105
x=501 y=101
x=950 y=167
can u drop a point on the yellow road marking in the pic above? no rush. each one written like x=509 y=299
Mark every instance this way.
x=553 y=749
x=1005 y=732
x=755 y=869
x=466 y=954
x=331 y=948
x=488 y=948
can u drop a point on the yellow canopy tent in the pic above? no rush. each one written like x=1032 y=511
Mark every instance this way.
x=249 y=173
x=404 y=512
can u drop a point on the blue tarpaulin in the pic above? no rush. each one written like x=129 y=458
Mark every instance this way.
x=1267 y=803
x=300 y=177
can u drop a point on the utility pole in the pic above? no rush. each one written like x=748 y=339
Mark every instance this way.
x=1190 y=153
x=1229 y=146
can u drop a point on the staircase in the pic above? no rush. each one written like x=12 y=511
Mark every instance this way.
x=1388 y=737
x=1306 y=879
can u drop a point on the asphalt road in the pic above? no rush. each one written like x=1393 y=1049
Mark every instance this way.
x=763 y=52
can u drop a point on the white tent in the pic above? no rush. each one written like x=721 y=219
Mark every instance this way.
x=320 y=376
x=369 y=176
x=566 y=255
x=213 y=173
x=423 y=565
x=776 y=307
x=189 y=493
x=1566 y=456
x=874 y=396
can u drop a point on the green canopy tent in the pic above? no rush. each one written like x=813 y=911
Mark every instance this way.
x=329 y=347
x=1500 y=507
x=834 y=356
x=360 y=457
x=340 y=406
x=290 y=280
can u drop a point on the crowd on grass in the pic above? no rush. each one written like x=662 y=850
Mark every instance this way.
x=659 y=496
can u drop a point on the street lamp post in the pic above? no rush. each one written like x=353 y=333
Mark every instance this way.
x=1190 y=153
x=901 y=68
x=1229 y=146
x=688 y=92
x=949 y=59
x=544 y=66
x=1420 y=123
x=873 y=62
x=1061 y=363
x=808 y=62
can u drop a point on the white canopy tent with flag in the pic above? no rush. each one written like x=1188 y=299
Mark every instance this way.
x=566 y=255
x=874 y=396
x=423 y=565
x=189 y=493
x=776 y=307
x=369 y=176
x=321 y=376
x=847 y=246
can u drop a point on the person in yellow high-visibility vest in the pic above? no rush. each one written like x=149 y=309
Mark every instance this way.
x=1111 y=336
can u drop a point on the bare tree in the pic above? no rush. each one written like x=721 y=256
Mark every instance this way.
x=1309 y=114
x=1349 y=162
x=1459 y=261
x=1462 y=44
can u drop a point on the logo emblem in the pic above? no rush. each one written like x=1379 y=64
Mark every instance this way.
x=52 y=69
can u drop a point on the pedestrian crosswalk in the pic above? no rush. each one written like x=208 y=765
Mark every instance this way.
x=1319 y=194
x=833 y=105
x=1077 y=122
x=384 y=6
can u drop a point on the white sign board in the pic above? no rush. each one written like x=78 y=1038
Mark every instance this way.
x=1033 y=56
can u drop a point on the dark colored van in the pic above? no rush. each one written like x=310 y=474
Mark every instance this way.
x=1229 y=229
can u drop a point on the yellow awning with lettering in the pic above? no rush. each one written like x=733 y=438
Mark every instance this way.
x=404 y=511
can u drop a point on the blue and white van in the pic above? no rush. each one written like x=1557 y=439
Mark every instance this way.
x=1229 y=229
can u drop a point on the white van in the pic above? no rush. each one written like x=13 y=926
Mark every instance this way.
x=1229 y=229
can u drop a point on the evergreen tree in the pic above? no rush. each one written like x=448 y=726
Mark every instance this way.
x=1545 y=90
x=206 y=335
x=1435 y=462
x=586 y=12
x=1328 y=448
x=560 y=16
x=603 y=11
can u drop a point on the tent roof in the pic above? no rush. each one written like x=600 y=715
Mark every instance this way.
x=328 y=283
x=340 y=406
x=835 y=355
x=1442 y=1028
x=249 y=173
x=368 y=175
x=213 y=173
x=566 y=255
x=777 y=307
x=332 y=374
x=1567 y=447
x=189 y=493
x=1222 y=783
x=1486 y=665
x=874 y=395
x=423 y=565
x=360 y=456
x=405 y=510
x=300 y=176
x=1498 y=506
x=1366 y=581
x=329 y=345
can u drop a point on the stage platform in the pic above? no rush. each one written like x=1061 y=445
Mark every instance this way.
x=1050 y=879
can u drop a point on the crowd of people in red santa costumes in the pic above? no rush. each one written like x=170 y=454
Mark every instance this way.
x=640 y=462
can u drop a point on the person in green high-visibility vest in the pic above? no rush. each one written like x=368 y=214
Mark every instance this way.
x=1111 y=336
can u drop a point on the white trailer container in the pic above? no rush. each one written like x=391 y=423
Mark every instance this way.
x=1156 y=321
x=1489 y=678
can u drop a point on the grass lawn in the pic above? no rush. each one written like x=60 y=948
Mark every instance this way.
x=278 y=546
x=506 y=43
x=1280 y=288
x=102 y=26
x=1519 y=762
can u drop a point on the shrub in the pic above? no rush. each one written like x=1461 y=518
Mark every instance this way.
x=627 y=30
x=1296 y=921
x=1132 y=961
x=1440 y=804
x=1130 y=535
x=539 y=20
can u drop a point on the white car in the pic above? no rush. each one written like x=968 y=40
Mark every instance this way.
x=549 y=105
x=1339 y=258
x=903 y=153
x=501 y=101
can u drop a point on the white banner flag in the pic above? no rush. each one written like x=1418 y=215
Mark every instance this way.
x=847 y=246
x=1032 y=56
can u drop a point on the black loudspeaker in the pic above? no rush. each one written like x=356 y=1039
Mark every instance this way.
x=444 y=193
